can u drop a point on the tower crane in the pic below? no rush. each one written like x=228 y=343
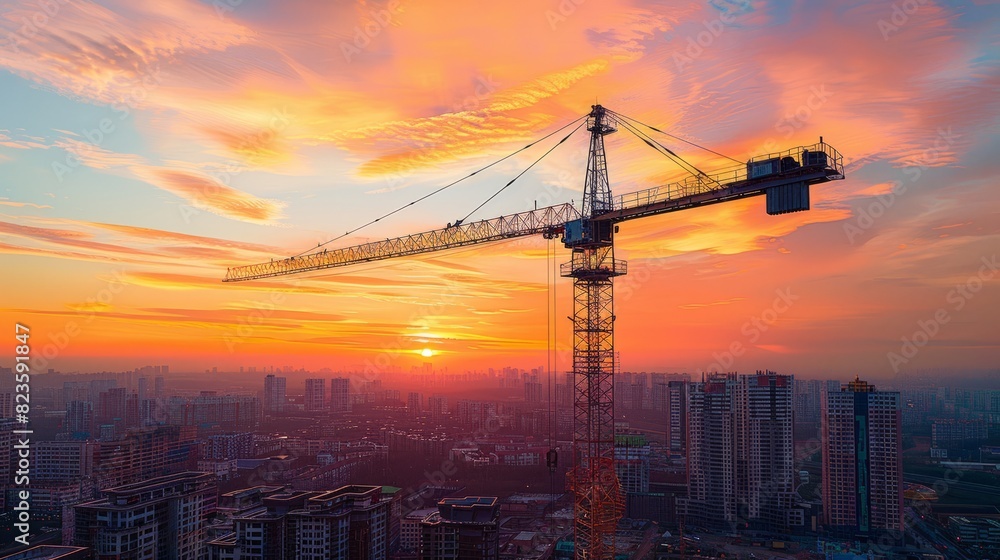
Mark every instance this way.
x=783 y=178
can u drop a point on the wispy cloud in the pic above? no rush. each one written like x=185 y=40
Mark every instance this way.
x=15 y=204
x=197 y=189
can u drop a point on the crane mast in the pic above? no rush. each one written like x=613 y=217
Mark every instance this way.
x=597 y=505
x=783 y=177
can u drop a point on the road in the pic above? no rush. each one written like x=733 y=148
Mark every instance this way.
x=928 y=534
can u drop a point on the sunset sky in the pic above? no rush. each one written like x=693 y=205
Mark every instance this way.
x=147 y=146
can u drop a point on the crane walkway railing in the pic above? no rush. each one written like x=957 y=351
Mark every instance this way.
x=789 y=163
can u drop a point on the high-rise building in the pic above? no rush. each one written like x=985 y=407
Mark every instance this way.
x=462 y=528
x=668 y=396
x=274 y=524
x=63 y=461
x=413 y=403
x=632 y=453
x=409 y=529
x=315 y=394
x=79 y=420
x=111 y=408
x=532 y=392
x=340 y=395
x=767 y=432
x=260 y=533
x=143 y=454
x=711 y=461
x=164 y=518
x=143 y=388
x=274 y=394
x=808 y=394
x=7 y=427
x=438 y=405
x=226 y=412
x=677 y=429
x=349 y=522
x=7 y=404
x=740 y=451
x=862 y=460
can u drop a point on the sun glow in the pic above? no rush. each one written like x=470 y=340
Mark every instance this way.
x=427 y=352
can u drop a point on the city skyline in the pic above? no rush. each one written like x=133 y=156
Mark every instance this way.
x=151 y=147
x=265 y=474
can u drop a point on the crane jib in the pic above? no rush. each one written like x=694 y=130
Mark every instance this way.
x=784 y=178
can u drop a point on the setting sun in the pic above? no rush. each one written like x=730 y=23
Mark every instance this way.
x=427 y=352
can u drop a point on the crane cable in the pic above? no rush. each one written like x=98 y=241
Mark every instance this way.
x=665 y=151
x=636 y=121
x=511 y=182
x=453 y=183
x=549 y=257
x=551 y=364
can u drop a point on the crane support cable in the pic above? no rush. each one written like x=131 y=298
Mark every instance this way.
x=511 y=182
x=661 y=149
x=684 y=164
x=434 y=192
x=670 y=154
x=636 y=121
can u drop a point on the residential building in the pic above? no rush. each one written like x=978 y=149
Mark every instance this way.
x=632 y=463
x=315 y=399
x=349 y=522
x=164 y=518
x=740 y=452
x=533 y=392
x=143 y=454
x=409 y=529
x=956 y=434
x=340 y=395
x=862 y=460
x=63 y=461
x=274 y=394
x=79 y=420
x=766 y=408
x=413 y=405
x=229 y=446
x=462 y=529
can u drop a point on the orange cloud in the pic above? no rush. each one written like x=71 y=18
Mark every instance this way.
x=99 y=53
x=208 y=194
x=199 y=190
x=67 y=238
